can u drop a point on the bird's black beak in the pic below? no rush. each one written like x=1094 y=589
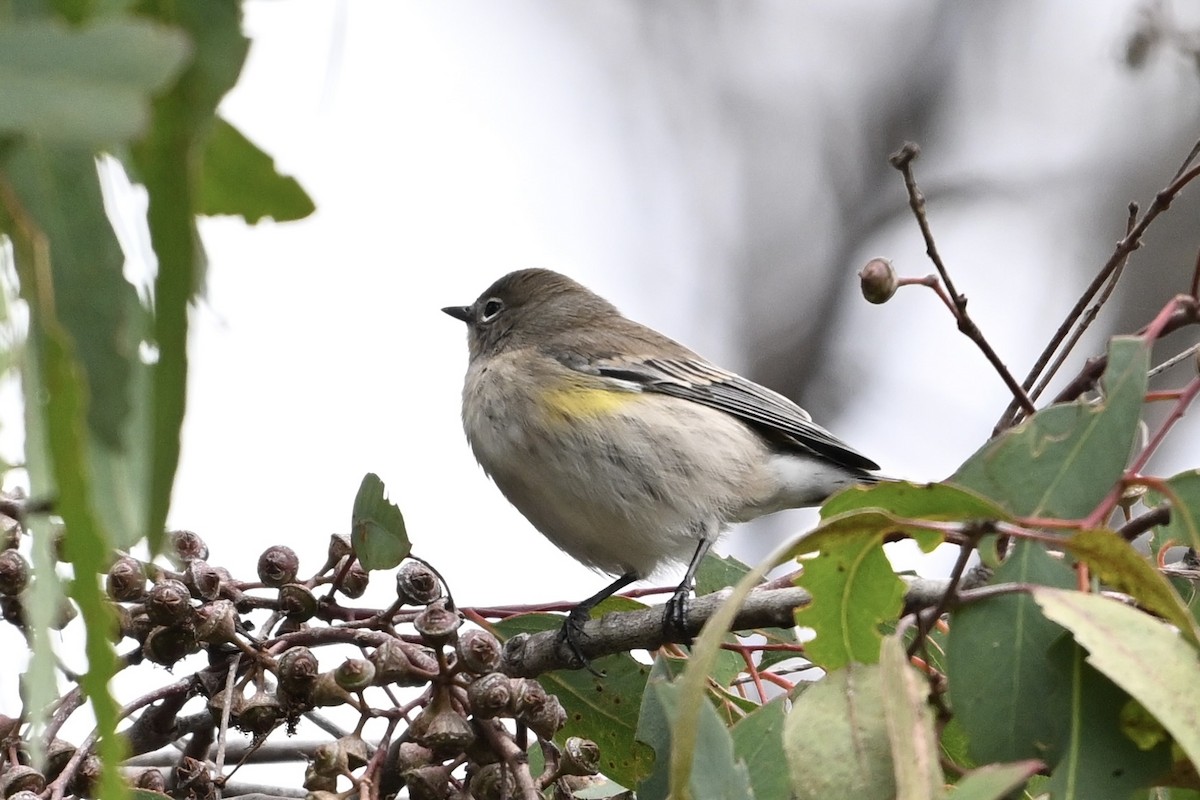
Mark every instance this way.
x=462 y=313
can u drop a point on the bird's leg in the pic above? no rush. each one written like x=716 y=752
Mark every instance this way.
x=572 y=629
x=675 y=618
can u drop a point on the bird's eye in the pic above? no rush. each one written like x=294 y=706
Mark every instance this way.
x=491 y=308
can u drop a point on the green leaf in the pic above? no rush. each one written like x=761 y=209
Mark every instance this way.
x=716 y=772
x=758 y=743
x=1138 y=653
x=1184 y=526
x=717 y=572
x=55 y=389
x=166 y=161
x=930 y=501
x=995 y=781
x=240 y=179
x=836 y=738
x=86 y=85
x=60 y=189
x=1122 y=567
x=1006 y=695
x=1099 y=760
x=854 y=591
x=377 y=529
x=1065 y=459
x=914 y=742
x=604 y=710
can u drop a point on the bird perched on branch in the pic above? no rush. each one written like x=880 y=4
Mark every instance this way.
x=623 y=447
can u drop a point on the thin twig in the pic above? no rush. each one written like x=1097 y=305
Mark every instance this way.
x=1131 y=241
x=1140 y=524
x=902 y=160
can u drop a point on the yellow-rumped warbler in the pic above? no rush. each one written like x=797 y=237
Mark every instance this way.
x=623 y=447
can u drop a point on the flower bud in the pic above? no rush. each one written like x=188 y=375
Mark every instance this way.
x=278 y=565
x=878 y=281
x=478 y=651
x=327 y=692
x=260 y=714
x=14 y=573
x=202 y=580
x=298 y=670
x=493 y=782
x=437 y=624
x=20 y=778
x=428 y=783
x=490 y=695
x=402 y=664
x=168 y=602
x=441 y=728
x=545 y=720
x=339 y=548
x=184 y=547
x=410 y=755
x=166 y=645
x=216 y=622
x=297 y=602
x=580 y=757
x=355 y=674
x=126 y=582
x=417 y=584
x=354 y=582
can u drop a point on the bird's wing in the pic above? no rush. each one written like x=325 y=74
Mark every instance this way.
x=704 y=383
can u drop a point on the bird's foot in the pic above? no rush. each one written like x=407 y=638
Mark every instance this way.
x=571 y=636
x=675 y=626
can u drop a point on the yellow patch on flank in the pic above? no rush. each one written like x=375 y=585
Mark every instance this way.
x=574 y=402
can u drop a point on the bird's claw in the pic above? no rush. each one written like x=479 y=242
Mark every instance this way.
x=571 y=634
x=675 y=626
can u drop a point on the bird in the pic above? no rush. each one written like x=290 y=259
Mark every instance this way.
x=624 y=448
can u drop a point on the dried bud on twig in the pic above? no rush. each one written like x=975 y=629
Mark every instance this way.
x=168 y=602
x=20 y=778
x=297 y=602
x=428 y=783
x=298 y=670
x=440 y=727
x=417 y=584
x=580 y=757
x=493 y=782
x=166 y=645
x=278 y=565
x=354 y=582
x=14 y=573
x=355 y=674
x=260 y=714
x=185 y=547
x=126 y=581
x=491 y=695
x=478 y=651
x=203 y=581
x=437 y=624
x=878 y=281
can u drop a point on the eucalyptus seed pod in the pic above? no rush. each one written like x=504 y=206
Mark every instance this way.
x=355 y=674
x=14 y=573
x=193 y=776
x=441 y=728
x=493 y=782
x=86 y=779
x=527 y=694
x=580 y=757
x=428 y=783
x=326 y=692
x=319 y=784
x=166 y=645
x=354 y=582
x=8 y=726
x=478 y=651
x=25 y=796
x=216 y=704
x=437 y=624
x=57 y=755
x=169 y=602
x=878 y=280
x=126 y=581
x=202 y=580
x=278 y=565
x=490 y=695
x=216 y=622
x=136 y=625
x=356 y=750
x=184 y=547
x=260 y=714
x=297 y=602
x=547 y=719
x=152 y=780
x=21 y=778
x=12 y=610
x=410 y=755
x=339 y=548
x=329 y=761
x=298 y=670
x=10 y=533
x=417 y=584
